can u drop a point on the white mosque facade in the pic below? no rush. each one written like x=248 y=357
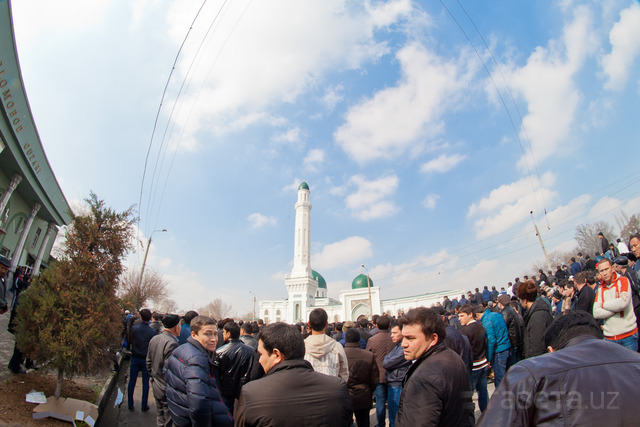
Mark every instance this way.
x=307 y=289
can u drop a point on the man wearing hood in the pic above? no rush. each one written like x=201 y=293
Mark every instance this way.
x=325 y=354
x=537 y=318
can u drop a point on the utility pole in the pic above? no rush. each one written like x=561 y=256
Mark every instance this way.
x=544 y=251
x=144 y=262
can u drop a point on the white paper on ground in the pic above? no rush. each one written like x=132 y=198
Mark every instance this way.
x=36 y=397
x=90 y=420
x=119 y=398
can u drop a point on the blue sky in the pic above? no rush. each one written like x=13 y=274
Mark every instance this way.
x=427 y=132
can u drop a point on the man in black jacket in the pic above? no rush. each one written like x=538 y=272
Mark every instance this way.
x=584 y=296
x=235 y=362
x=141 y=334
x=436 y=388
x=291 y=393
x=584 y=380
x=515 y=326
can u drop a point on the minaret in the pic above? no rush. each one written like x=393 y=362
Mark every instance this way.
x=301 y=245
x=301 y=286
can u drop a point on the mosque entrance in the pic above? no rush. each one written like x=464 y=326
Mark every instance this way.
x=359 y=310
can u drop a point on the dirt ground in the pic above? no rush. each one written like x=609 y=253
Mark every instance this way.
x=14 y=411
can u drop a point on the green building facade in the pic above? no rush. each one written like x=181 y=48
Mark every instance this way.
x=32 y=205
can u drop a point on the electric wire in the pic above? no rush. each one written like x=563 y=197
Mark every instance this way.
x=155 y=124
x=515 y=104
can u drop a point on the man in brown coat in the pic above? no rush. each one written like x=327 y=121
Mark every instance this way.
x=380 y=345
x=363 y=376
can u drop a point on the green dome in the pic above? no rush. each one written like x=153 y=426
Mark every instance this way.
x=321 y=282
x=361 y=282
x=303 y=186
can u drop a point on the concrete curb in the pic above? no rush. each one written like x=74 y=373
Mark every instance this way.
x=107 y=389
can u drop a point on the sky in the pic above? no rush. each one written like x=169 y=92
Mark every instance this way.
x=430 y=133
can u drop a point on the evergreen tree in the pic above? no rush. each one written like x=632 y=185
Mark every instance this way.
x=69 y=318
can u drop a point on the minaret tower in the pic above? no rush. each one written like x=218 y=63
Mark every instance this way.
x=301 y=285
x=301 y=245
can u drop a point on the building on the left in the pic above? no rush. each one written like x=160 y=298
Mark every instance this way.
x=32 y=205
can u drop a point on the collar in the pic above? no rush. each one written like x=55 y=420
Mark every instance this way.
x=352 y=345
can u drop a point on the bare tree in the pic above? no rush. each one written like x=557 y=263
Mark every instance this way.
x=167 y=305
x=135 y=294
x=217 y=309
x=556 y=258
x=632 y=226
x=587 y=236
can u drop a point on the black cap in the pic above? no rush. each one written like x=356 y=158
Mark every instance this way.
x=170 y=320
x=5 y=261
x=621 y=260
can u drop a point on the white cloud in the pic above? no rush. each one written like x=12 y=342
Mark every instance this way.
x=625 y=47
x=314 y=158
x=291 y=136
x=546 y=83
x=444 y=163
x=510 y=204
x=402 y=117
x=258 y=54
x=293 y=186
x=332 y=96
x=370 y=199
x=257 y=220
x=430 y=201
x=350 y=251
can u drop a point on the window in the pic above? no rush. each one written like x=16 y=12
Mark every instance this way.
x=5 y=252
x=36 y=237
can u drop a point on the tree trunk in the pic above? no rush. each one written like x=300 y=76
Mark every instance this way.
x=59 y=383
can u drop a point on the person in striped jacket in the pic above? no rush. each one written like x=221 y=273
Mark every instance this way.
x=478 y=340
x=613 y=303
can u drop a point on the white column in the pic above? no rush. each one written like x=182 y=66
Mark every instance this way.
x=17 y=253
x=50 y=231
x=15 y=180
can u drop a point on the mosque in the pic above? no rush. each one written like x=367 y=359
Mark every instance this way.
x=307 y=289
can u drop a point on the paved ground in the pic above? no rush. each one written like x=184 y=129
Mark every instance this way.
x=137 y=418
x=6 y=347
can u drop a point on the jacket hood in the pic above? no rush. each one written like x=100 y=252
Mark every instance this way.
x=319 y=346
x=538 y=305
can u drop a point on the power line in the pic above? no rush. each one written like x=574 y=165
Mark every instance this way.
x=155 y=123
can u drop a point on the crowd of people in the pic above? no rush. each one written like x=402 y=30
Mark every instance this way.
x=559 y=347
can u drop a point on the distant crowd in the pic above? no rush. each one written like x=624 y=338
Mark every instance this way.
x=560 y=348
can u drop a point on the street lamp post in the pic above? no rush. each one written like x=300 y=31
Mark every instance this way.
x=254 y=306
x=144 y=262
x=369 y=289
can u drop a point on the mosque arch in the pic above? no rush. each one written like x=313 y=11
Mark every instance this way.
x=359 y=310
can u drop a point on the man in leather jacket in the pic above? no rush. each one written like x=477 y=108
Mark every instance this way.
x=291 y=393
x=583 y=380
x=235 y=360
x=436 y=389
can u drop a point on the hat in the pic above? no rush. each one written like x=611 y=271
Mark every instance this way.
x=170 y=320
x=504 y=300
x=621 y=260
x=557 y=294
x=5 y=261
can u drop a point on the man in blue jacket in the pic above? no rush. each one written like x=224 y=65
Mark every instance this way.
x=498 y=343
x=193 y=397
